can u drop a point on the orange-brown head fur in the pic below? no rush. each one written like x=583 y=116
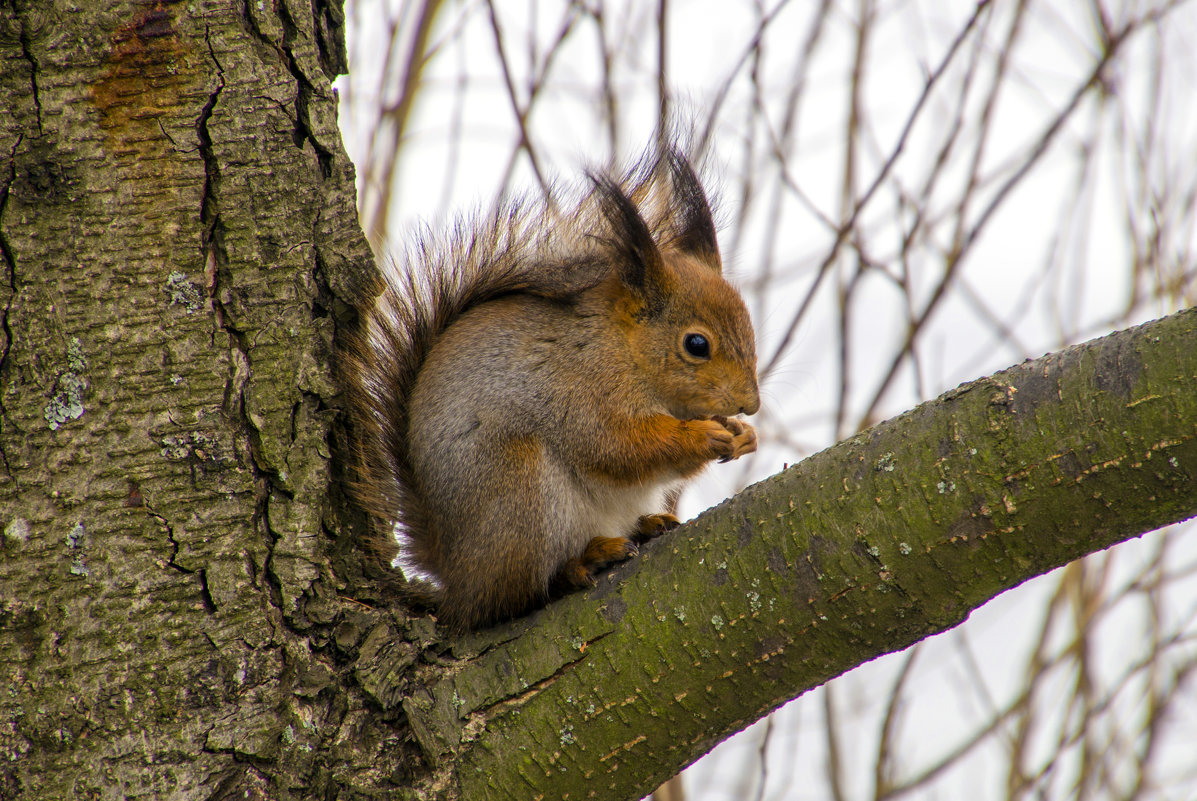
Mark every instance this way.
x=668 y=289
x=694 y=380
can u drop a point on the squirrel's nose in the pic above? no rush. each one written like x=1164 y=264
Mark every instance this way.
x=753 y=405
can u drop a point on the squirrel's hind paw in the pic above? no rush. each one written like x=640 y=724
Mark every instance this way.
x=579 y=572
x=650 y=526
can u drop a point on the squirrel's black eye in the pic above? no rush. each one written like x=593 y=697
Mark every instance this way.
x=697 y=346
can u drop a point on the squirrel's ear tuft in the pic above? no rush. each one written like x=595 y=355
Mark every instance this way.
x=693 y=224
x=640 y=265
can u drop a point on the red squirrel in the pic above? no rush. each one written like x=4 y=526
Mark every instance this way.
x=530 y=393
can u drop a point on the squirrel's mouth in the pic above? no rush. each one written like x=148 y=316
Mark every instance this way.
x=727 y=404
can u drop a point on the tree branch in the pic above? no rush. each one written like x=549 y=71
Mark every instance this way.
x=863 y=549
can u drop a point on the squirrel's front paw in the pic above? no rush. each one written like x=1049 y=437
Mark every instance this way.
x=743 y=437
x=719 y=440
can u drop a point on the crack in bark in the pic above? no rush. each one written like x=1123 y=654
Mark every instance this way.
x=483 y=713
x=293 y=420
x=303 y=125
x=170 y=537
x=27 y=52
x=217 y=259
x=6 y=257
x=318 y=38
x=450 y=716
x=202 y=574
x=205 y=592
x=212 y=245
x=166 y=134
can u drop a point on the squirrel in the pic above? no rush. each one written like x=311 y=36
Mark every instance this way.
x=527 y=398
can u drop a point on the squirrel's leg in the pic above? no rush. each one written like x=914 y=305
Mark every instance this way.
x=499 y=539
x=649 y=526
x=603 y=551
x=640 y=449
x=600 y=552
x=491 y=582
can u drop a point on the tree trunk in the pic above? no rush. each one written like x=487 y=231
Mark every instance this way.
x=182 y=611
x=174 y=197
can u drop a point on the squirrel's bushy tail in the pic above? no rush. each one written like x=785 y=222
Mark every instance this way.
x=549 y=247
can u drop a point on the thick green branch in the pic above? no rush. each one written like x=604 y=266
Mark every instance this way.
x=860 y=550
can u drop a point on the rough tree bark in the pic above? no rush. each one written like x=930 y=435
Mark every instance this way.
x=182 y=611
